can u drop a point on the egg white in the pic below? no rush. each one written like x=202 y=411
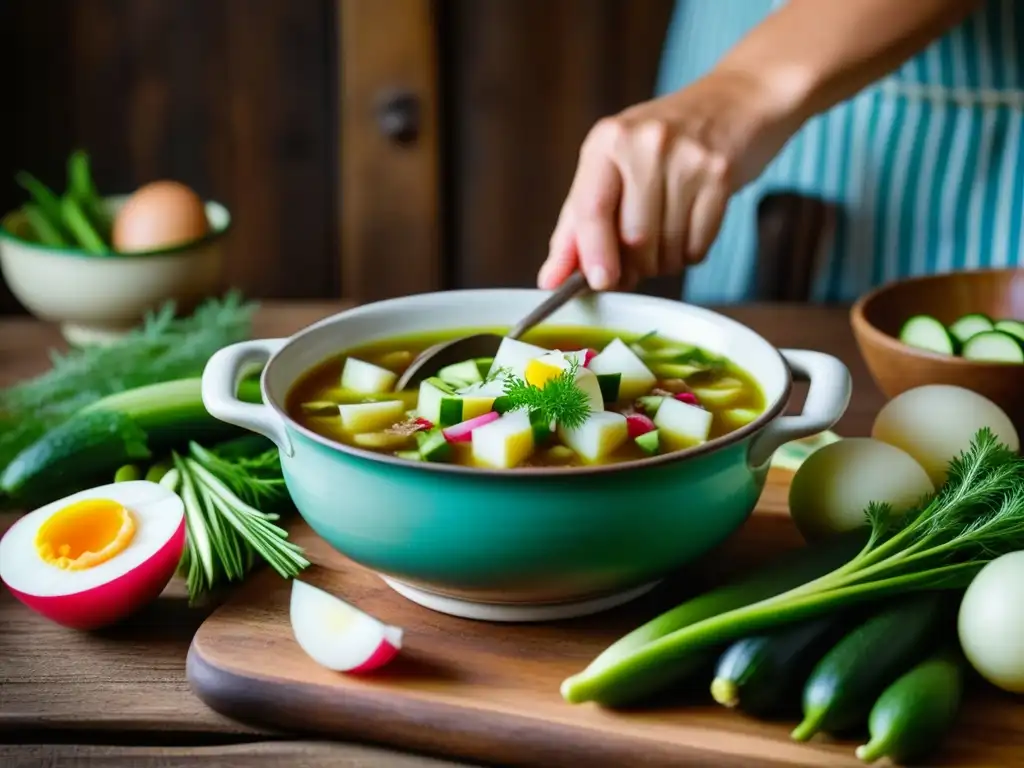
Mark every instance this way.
x=157 y=513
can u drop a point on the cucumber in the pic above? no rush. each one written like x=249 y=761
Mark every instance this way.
x=461 y=374
x=915 y=712
x=970 y=325
x=1012 y=327
x=439 y=404
x=541 y=428
x=846 y=681
x=994 y=347
x=648 y=442
x=763 y=675
x=925 y=332
x=609 y=384
x=84 y=449
x=367 y=378
x=650 y=404
x=788 y=572
x=433 y=446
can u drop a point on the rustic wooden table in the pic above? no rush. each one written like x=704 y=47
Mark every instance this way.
x=120 y=697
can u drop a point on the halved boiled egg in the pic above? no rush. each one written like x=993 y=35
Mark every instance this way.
x=337 y=635
x=90 y=559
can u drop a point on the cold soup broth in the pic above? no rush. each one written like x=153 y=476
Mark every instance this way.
x=560 y=396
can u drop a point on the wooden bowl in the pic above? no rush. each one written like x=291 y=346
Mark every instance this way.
x=896 y=367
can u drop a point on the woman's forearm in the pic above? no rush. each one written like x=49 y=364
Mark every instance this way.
x=814 y=54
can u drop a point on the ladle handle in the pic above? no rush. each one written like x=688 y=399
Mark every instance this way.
x=575 y=285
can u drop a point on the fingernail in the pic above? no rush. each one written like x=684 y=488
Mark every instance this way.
x=598 y=278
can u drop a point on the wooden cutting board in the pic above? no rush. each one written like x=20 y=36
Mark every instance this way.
x=490 y=692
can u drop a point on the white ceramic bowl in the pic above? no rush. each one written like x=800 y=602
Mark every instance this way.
x=96 y=298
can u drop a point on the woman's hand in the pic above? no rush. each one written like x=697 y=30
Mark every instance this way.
x=653 y=182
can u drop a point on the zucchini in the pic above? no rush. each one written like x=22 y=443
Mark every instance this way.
x=925 y=332
x=846 y=681
x=609 y=384
x=994 y=347
x=915 y=712
x=1012 y=327
x=788 y=572
x=969 y=326
x=763 y=675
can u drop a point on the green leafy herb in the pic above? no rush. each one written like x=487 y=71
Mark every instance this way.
x=974 y=518
x=559 y=400
x=227 y=494
x=164 y=348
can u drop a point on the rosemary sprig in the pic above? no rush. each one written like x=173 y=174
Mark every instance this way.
x=560 y=400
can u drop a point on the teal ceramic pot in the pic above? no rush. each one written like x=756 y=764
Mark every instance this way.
x=525 y=544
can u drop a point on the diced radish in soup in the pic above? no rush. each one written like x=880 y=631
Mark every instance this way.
x=505 y=442
x=360 y=376
x=617 y=357
x=638 y=424
x=598 y=437
x=687 y=397
x=462 y=432
x=337 y=635
x=681 y=425
x=588 y=354
x=371 y=417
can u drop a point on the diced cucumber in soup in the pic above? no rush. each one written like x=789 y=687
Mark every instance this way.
x=439 y=404
x=598 y=437
x=433 y=446
x=483 y=366
x=461 y=374
x=650 y=404
x=676 y=370
x=610 y=384
x=648 y=442
x=1012 y=327
x=682 y=425
x=371 y=417
x=504 y=443
x=361 y=376
x=925 y=332
x=970 y=325
x=637 y=379
x=994 y=347
x=513 y=355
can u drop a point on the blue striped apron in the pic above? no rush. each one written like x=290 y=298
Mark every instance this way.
x=925 y=164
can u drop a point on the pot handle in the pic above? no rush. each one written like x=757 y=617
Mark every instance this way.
x=221 y=377
x=827 y=399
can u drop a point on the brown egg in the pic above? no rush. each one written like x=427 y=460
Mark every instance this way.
x=159 y=215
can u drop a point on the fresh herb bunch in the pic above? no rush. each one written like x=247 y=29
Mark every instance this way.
x=165 y=347
x=233 y=496
x=560 y=400
x=977 y=516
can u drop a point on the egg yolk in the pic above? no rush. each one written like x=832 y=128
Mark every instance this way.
x=85 y=534
x=539 y=373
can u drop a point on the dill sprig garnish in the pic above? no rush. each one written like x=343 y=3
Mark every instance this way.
x=560 y=400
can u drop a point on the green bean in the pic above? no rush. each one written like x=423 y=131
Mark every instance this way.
x=42 y=228
x=48 y=202
x=80 y=226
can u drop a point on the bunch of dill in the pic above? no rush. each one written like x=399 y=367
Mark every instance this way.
x=163 y=348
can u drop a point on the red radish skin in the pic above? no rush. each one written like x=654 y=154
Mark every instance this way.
x=463 y=431
x=424 y=423
x=638 y=424
x=109 y=603
x=589 y=355
x=687 y=397
x=384 y=653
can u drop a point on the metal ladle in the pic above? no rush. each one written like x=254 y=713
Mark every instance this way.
x=433 y=358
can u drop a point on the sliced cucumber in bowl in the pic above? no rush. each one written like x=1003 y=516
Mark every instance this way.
x=970 y=325
x=994 y=347
x=925 y=332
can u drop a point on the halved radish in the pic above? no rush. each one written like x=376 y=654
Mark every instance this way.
x=337 y=635
x=687 y=397
x=588 y=354
x=463 y=431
